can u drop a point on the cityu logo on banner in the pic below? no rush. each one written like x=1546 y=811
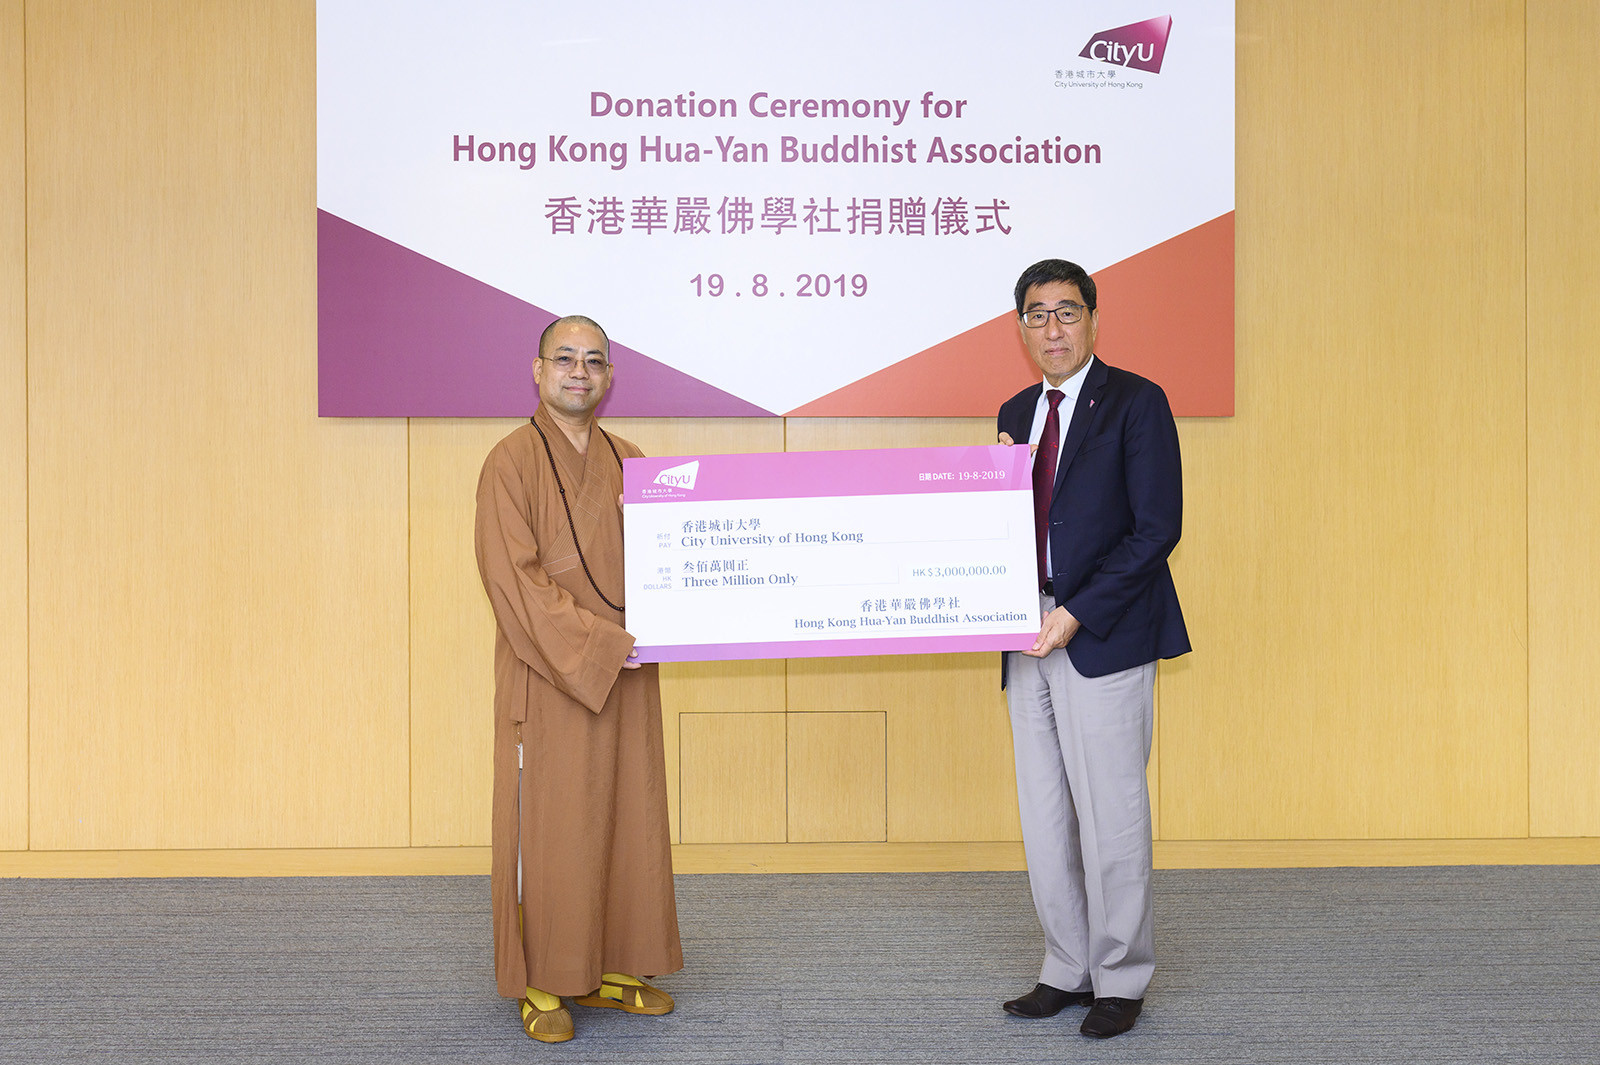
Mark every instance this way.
x=1139 y=45
x=680 y=476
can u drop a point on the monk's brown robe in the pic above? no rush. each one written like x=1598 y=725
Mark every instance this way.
x=596 y=851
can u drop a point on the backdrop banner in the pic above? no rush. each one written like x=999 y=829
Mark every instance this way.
x=813 y=211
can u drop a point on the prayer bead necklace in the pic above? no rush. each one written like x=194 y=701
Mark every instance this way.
x=562 y=489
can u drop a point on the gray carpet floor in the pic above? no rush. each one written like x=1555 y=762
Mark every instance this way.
x=1472 y=964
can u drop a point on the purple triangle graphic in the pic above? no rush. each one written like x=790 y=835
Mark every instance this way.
x=400 y=335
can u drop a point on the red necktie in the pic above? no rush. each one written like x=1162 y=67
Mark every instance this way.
x=1044 y=477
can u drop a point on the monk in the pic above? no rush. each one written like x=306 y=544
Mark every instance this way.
x=580 y=798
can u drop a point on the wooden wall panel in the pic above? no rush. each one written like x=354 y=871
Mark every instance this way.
x=1152 y=773
x=672 y=758
x=949 y=740
x=840 y=434
x=452 y=635
x=755 y=686
x=1388 y=565
x=13 y=439
x=700 y=436
x=950 y=768
x=837 y=778
x=733 y=778
x=218 y=608
x=1563 y=417
x=1354 y=557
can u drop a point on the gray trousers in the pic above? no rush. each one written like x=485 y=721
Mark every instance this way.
x=1082 y=746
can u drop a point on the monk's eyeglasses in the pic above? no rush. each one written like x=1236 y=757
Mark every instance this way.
x=566 y=363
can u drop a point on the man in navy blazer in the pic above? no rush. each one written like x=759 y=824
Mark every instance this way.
x=1108 y=493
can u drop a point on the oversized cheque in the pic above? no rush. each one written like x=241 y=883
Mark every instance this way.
x=802 y=554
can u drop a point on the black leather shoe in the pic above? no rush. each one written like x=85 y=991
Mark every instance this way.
x=1046 y=1001
x=1111 y=1016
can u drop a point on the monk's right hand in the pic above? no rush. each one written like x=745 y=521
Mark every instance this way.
x=632 y=661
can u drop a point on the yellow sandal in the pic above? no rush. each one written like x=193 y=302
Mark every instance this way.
x=547 y=1026
x=632 y=998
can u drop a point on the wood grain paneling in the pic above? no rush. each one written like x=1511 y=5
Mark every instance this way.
x=1563 y=417
x=1152 y=771
x=672 y=757
x=950 y=774
x=452 y=635
x=239 y=861
x=218 y=608
x=840 y=434
x=950 y=765
x=699 y=436
x=1353 y=565
x=1389 y=564
x=13 y=438
x=732 y=778
x=838 y=857
x=754 y=687
x=837 y=778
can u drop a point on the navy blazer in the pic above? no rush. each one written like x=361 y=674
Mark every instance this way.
x=1115 y=516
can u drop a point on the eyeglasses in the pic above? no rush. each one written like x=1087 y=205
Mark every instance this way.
x=566 y=363
x=1068 y=314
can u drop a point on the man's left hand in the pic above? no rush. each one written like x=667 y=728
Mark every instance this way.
x=1005 y=438
x=1059 y=627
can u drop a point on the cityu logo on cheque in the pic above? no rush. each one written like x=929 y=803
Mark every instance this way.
x=1139 y=45
x=680 y=476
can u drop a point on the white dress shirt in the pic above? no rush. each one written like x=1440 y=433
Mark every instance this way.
x=1069 y=390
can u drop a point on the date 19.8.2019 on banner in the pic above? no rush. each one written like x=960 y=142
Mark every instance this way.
x=840 y=285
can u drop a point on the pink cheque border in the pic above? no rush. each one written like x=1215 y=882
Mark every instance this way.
x=889 y=645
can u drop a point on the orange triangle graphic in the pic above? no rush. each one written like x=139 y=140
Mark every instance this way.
x=1165 y=313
